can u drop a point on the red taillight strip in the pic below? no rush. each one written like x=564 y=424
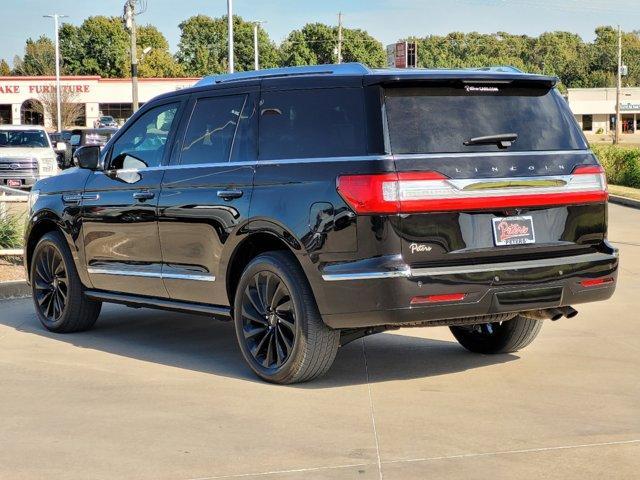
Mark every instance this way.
x=596 y=282
x=447 y=297
x=409 y=192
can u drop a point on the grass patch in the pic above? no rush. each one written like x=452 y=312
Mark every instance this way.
x=628 y=192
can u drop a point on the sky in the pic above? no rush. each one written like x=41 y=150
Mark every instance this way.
x=387 y=20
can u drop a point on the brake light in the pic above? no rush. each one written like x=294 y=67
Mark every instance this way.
x=447 y=297
x=410 y=192
x=596 y=282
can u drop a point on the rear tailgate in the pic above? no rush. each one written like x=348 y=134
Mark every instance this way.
x=540 y=196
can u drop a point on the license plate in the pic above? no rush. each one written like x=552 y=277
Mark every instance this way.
x=14 y=183
x=513 y=230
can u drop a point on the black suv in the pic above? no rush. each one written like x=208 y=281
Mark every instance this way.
x=315 y=205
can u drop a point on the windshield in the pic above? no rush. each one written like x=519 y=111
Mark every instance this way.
x=453 y=119
x=23 y=138
x=106 y=119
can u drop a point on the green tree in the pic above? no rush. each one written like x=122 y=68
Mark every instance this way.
x=39 y=58
x=203 y=45
x=5 y=70
x=316 y=43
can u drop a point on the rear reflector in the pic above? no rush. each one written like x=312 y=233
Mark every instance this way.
x=448 y=297
x=408 y=192
x=596 y=282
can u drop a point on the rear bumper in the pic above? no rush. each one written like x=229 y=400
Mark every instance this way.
x=356 y=295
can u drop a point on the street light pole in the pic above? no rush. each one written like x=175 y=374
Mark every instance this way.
x=56 y=17
x=256 y=53
x=618 y=89
x=130 y=22
x=230 y=29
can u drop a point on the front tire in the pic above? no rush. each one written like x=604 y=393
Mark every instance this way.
x=58 y=294
x=279 y=329
x=498 y=337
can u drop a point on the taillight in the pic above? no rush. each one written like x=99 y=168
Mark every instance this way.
x=409 y=192
x=596 y=282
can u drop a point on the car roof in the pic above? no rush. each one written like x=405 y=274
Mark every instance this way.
x=353 y=74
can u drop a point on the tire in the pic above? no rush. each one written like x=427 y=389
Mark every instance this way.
x=498 y=337
x=279 y=329
x=58 y=294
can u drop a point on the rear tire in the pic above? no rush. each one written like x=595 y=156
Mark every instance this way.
x=498 y=337
x=279 y=329
x=58 y=294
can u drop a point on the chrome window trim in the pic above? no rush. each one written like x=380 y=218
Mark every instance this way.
x=289 y=161
x=457 y=270
x=140 y=273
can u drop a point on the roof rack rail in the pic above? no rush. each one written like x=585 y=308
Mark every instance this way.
x=331 y=69
x=497 y=68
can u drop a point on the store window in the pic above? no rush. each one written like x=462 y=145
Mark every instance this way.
x=5 y=114
x=587 y=123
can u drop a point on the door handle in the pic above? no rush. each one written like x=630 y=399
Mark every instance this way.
x=229 y=194
x=142 y=196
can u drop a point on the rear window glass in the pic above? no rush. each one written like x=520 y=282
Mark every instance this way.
x=312 y=123
x=442 y=119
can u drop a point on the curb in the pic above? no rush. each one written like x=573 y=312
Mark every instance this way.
x=12 y=290
x=627 y=202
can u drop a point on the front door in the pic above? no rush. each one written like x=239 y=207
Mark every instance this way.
x=206 y=193
x=119 y=207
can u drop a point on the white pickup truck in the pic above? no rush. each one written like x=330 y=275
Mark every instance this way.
x=26 y=155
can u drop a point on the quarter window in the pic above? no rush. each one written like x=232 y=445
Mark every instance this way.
x=312 y=123
x=143 y=144
x=213 y=124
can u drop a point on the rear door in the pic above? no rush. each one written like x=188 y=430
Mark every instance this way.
x=206 y=192
x=535 y=190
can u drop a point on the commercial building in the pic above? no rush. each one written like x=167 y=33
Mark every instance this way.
x=595 y=109
x=22 y=98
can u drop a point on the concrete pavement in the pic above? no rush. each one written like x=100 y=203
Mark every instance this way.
x=155 y=395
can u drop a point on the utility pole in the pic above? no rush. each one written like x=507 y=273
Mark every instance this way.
x=340 y=37
x=618 y=90
x=130 y=22
x=230 y=29
x=56 y=17
x=256 y=53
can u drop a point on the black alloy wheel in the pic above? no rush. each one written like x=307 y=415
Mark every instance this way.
x=51 y=284
x=58 y=294
x=268 y=320
x=280 y=331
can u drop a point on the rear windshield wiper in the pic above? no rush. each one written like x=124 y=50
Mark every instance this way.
x=502 y=140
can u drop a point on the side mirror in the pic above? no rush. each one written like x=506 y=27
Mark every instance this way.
x=87 y=157
x=61 y=147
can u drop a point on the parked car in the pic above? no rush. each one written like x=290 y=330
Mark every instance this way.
x=105 y=121
x=26 y=155
x=90 y=136
x=62 y=141
x=315 y=205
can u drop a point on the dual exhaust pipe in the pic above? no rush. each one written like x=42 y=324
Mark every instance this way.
x=551 y=313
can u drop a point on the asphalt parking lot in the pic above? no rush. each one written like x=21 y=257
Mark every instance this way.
x=154 y=395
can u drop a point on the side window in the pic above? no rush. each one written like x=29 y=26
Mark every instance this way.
x=143 y=144
x=213 y=124
x=312 y=123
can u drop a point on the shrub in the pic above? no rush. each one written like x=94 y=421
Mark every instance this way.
x=621 y=164
x=10 y=232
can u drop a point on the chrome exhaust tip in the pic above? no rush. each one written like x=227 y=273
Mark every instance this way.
x=569 y=312
x=544 y=314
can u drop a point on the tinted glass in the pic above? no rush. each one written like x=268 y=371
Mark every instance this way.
x=245 y=143
x=441 y=119
x=24 y=138
x=312 y=123
x=213 y=123
x=143 y=144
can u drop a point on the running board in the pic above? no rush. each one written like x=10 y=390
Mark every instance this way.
x=224 y=313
